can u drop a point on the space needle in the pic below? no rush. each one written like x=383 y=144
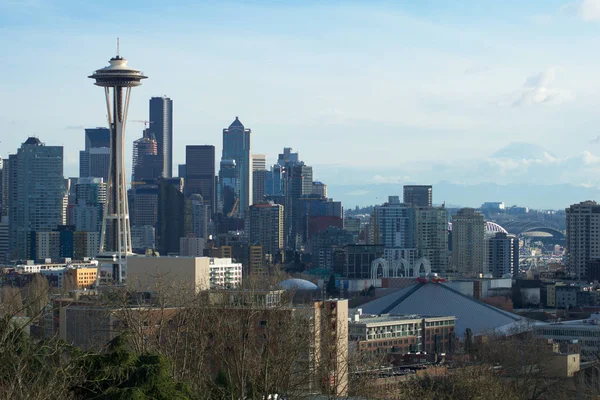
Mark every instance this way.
x=115 y=240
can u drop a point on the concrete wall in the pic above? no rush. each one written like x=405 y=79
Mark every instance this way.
x=183 y=273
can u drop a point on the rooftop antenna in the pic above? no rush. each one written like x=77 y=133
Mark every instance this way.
x=118 y=50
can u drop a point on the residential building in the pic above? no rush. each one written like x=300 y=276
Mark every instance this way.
x=583 y=237
x=388 y=333
x=200 y=216
x=80 y=278
x=225 y=274
x=237 y=147
x=4 y=193
x=161 y=127
x=265 y=227
x=256 y=261
x=200 y=174
x=395 y=230
x=418 y=195
x=432 y=236
x=468 y=242
x=331 y=343
x=37 y=190
x=259 y=177
x=503 y=255
x=187 y=274
x=4 y=238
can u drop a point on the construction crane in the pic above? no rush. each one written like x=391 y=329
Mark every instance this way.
x=142 y=121
x=234 y=208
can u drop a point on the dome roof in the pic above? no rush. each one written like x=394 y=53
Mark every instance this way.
x=298 y=284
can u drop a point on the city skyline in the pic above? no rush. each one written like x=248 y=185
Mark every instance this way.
x=537 y=90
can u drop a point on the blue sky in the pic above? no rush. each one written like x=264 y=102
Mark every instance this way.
x=397 y=91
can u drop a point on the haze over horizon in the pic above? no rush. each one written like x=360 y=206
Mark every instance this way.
x=370 y=95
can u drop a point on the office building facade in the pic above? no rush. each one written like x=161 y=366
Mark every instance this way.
x=418 y=195
x=237 y=148
x=37 y=190
x=503 y=255
x=161 y=127
x=200 y=173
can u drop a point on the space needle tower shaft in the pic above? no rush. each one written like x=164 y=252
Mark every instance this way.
x=115 y=240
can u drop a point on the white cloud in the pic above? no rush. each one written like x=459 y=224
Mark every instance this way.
x=390 y=179
x=590 y=159
x=589 y=10
x=539 y=89
x=586 y=10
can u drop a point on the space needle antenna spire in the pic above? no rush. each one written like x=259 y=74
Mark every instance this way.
x=117 y=79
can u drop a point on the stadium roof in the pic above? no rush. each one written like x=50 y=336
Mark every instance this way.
x=437 y=299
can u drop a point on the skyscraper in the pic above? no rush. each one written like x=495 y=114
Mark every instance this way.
x=582 y=241
x=200 y=173
x=266 y=227
x=94 y=158
x=3 y=187
x=503 y=254
x=297 y=183
x=229 y=191
x=147 y=164
x=90 y=198
x=259 y=177
x=37 y=189
x=115 y=244
x=432 y=236
x=161 y=126
x=394 y=227
x=200 y=216
x=237 y=147
x=259 y=162
x=174 y=215
x=319 y=188
x=468 y=242
x=418 y=195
